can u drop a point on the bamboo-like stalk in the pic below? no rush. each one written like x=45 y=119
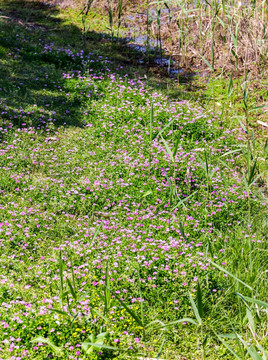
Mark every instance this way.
x=120 y=12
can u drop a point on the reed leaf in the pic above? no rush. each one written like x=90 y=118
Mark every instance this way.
x=233 y=276
x=195 y=310
x=161 y=349
x=41 y=339
x=228 y=347
x=200 y=306
x=127 y=308
x=254 y=301
x=170 y=153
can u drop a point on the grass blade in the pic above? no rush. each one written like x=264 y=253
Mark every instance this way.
x=242 y=126
x=176 y=147
x=101 y=346
x=61 y=277
x=64 y=313
x=161 y=349
x=99 y=314
x=96 y=233
x=229 y=347
x=252 y=172
x=82 y=297
x=233 y=276
x=255 y=301
x=199 y=301
x=251 y=350
x=258 y=107
x=141 y=302
x=182 y=231
x=41 y=339
x=71 y=289
x=208 y=64
x=149 y=192
x=156 y=322
x=168 y=149
x=230 y=85
x=107 y=293
x=197 y=315
x=164 y=128
x=151 y=120
x=131 y=312
x=189 y=320
x=182 y=201
x=251 y=321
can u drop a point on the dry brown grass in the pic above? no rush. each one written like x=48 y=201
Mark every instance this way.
x=194 y=40
x=252 y=28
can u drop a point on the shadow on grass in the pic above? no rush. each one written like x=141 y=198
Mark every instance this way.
x=33 y=90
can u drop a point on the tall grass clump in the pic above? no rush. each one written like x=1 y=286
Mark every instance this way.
x=227 y=34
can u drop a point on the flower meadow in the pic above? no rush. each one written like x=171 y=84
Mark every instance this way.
x=131 y=226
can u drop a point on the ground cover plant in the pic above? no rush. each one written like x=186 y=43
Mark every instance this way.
x=133 y=224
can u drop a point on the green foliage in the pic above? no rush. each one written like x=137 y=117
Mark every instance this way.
x=132 y=226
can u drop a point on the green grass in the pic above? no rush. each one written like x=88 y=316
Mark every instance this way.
x=133 y=219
